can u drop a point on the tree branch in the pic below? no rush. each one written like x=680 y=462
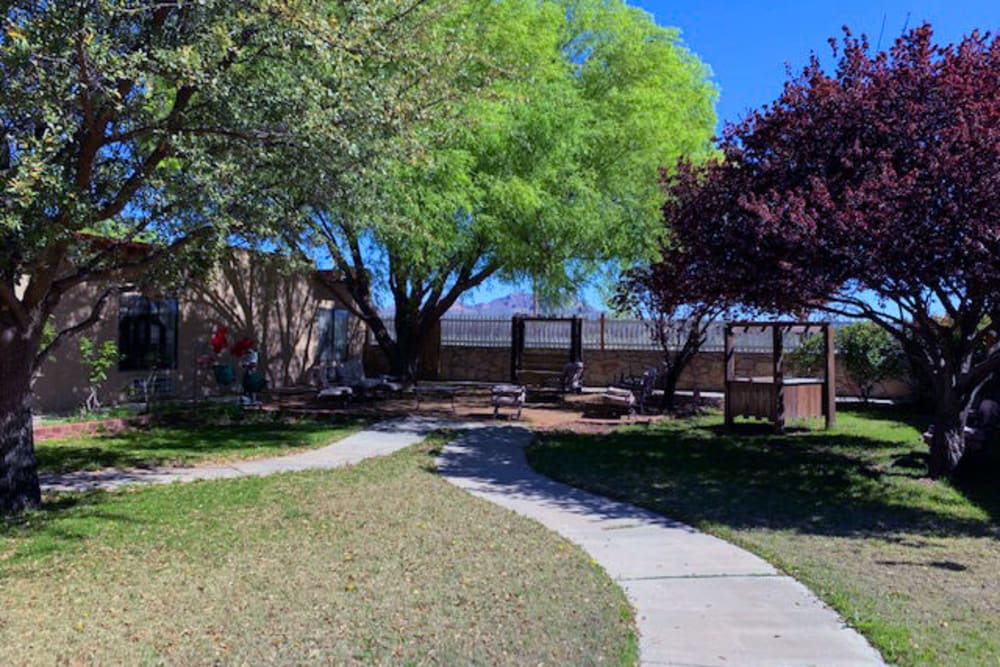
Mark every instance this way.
x=16 y=308
x=129 y=270
x=96 y=313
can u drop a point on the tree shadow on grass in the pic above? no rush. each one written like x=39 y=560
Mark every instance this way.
x=168 y=443
x=823 y=483
x=64 y=522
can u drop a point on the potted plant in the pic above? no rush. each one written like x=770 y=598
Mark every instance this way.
x=224 y=373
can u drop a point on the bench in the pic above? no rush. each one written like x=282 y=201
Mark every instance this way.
x=549 y=369
x=424 y=392
x=539 y=367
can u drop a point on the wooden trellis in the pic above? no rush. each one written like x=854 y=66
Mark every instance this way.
x=776 y=397
x=527 y=365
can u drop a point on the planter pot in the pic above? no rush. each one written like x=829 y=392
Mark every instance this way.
x=224 y=375
x=254 y=382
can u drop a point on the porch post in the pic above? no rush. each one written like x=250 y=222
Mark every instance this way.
x=777 y=337
x=830 y=378
x=729 y=361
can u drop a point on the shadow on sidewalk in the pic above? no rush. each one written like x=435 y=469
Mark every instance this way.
x=492 y=460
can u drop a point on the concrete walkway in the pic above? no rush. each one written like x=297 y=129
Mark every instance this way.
x=380 y=439
x=699 y=600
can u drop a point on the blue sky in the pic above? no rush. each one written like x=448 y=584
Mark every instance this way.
x=747 y=45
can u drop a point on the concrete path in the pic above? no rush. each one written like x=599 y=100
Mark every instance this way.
x=699 y=600
x=382 y=438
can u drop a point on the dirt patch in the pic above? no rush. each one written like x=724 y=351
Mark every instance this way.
x=579 y=413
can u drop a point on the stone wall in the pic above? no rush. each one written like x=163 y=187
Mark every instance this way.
x=604 y=367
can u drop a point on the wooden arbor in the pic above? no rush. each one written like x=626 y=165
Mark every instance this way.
x=539 y=364
x=774 y=396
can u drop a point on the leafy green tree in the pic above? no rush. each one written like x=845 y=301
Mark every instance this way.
x=543 y=163
x=809 y=358
x=870 y=356
x=134 y=120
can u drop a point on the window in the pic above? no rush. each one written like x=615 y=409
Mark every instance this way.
x=147 y=333
x=332 y=335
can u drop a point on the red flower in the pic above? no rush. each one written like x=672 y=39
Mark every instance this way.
x=219 y=341
x=240 y=347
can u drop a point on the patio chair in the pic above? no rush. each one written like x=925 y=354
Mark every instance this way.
x=352 y=374
x=981 y=428
x=571 y=381
x=328 y=385
x=507 y=396
x=567 y=381
x=650 y=378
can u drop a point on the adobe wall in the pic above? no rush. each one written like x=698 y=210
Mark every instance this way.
x=257 y=299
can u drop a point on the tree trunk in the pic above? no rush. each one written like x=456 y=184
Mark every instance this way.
x=671 y=377
x=404 y=356
x=19 y=488
x=948 y=441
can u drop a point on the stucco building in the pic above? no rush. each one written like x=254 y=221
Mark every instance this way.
x=295 y=320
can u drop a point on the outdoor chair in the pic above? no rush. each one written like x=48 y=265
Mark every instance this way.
x=352 y=374
x=571 y=381
x=981 y=428
x=423 y=392
x=567 y=381
x=507 y=396
x=328 y=385
x=650 y=378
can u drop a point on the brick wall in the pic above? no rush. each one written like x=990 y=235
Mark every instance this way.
x=71 y=429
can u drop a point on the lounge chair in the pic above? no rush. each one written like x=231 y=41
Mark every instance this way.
x=352 y=374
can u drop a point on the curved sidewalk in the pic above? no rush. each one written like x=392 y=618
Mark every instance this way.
x=699 y=600
x=377 y=440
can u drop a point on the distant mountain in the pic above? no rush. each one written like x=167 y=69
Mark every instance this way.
x=518 y=302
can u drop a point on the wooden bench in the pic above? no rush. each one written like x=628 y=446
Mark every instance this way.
x=424 y=392
x=541 y=367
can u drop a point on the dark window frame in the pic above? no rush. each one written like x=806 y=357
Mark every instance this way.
x=137 y=315
x=328 y=351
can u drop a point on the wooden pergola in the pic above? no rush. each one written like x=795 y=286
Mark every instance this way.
x=543 y=362
x=776 y=397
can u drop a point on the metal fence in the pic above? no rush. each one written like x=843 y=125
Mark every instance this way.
x=476 y=332
x=599 y=333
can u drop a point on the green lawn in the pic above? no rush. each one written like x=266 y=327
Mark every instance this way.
x=382 y=562
x=914 y=564
x=178 y=438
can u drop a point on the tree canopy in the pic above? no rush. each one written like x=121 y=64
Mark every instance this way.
x=872 y=191
x=127 y=121
x=545 y=166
